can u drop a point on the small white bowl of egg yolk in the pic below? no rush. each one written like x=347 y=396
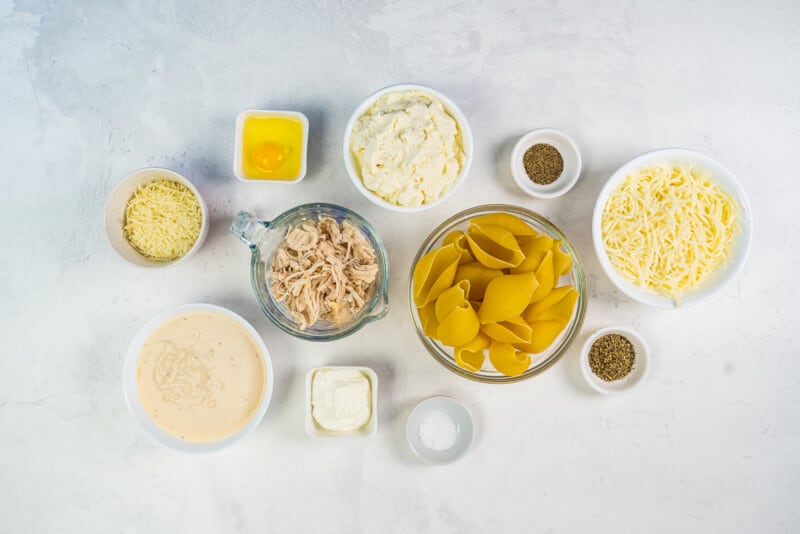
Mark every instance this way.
x=271 y=146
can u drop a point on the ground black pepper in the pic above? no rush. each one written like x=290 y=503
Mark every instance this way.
x=611 y=357
x=543 y=163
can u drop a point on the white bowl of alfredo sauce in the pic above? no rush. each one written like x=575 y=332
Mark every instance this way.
x=450 y=108
x=199 y=370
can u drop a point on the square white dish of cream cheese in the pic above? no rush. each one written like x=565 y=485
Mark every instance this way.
x=341 y=401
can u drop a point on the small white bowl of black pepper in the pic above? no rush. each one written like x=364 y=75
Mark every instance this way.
x=614 y=360
x=545 y=163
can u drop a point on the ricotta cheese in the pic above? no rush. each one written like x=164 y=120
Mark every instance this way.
x=407 y=148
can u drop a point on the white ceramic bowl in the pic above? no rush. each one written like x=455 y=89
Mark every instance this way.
x=114 y=215
x=450 y=107
x=315 y=431
x=460 y=417
x=569 y=153
x=132 y=396
x=237 y=155
x=640 y=362
x=722 y=177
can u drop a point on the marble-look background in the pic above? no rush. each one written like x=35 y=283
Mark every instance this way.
x=91 y=90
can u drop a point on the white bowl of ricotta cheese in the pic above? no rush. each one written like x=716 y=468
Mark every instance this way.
x=407 y=147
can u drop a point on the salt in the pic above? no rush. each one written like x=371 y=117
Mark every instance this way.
x=437 y=431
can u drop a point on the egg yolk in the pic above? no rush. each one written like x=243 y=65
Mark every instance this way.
x=271 y=147
x=269 y=157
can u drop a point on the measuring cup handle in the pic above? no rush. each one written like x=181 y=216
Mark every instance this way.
x=248 y=229
x=381 y=309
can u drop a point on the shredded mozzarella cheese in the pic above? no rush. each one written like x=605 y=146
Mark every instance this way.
x=162 y=220
x=667 y=229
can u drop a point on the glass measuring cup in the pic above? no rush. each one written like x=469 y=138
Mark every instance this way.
x=264 y=237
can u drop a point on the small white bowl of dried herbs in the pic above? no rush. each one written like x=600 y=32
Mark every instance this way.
x=545 y=163
x=614 y=360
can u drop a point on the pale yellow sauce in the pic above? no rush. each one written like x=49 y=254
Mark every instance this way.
x=200 y=377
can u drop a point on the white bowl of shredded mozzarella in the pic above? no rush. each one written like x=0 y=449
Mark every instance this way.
x=671 y=227
x=171 y=218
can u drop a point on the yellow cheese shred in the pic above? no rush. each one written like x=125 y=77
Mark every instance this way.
x=667 y=228
x=162 y=220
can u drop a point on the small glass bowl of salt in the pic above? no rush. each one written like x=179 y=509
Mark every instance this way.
x=439 y=430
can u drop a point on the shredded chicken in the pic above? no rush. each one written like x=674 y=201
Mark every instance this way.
x=323 y=271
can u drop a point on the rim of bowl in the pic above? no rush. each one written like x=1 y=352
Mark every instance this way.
x=239 y=141
x=720 y=279
x=627 y=383
x=567 y=336
x=563 y=183
x=379 y=301
x=131 y=393
x=452 y=109
x=110 y=216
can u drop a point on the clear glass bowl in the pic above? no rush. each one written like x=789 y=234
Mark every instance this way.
x=539 y=362
x=264 y=237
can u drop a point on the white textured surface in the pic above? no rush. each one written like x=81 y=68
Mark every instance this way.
x=92 y=90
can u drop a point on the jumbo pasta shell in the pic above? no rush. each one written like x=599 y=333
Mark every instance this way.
x=508 y=360
x=427 y=318
x=459 y=327
x=562 y=261
x=458 y=239
x=471 y=356
x=546 y=277
x=512 y=223
x=556 y=306
x=450 y=299
x=544 y=333
x=434 y=272
x=494 y=247
x=478 y=276
x=514 y=330
x=506 y=297
x=534 y=249
x=535 y=310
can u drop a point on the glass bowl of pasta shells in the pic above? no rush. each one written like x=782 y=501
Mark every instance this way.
x=497 y=293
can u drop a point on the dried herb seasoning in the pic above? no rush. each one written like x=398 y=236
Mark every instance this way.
x=543 y=163
x=611 y=357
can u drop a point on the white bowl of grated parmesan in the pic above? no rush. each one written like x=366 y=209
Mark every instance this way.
x=672 y=227
x=155 y=217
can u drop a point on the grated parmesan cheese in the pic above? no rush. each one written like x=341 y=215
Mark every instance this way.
x=162 y=220
x=667 y=229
